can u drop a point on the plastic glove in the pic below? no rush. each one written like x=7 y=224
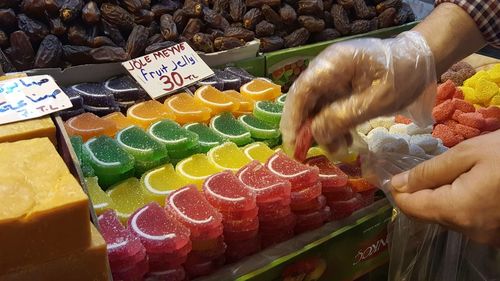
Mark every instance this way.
x=354 y=81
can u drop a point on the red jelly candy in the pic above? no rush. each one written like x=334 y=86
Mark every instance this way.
x=240 y=215
x=343 y=209
x=303 y=141
x=330 y=175
x=447 y=135
x=466 y=131
x=456 y=114
x=458 y=94
x=207 y=245
x=401 y=119
x=446 y=90
x=278 y=224
x=175 y=274
x=339 y=194
x=275 y=213
x=300 y=175
x=353 y=171
x=472 y=119
x=443 y=111
x=238 y=236
x=463 y=105
x=360 y=184
x=134 y=273
x=450 y=124
x=492 y=124
x=243 y=225
x=314 y=205
x=368 y=197
x=490 y=112
x=267 y=186
x=226 y=193
x=307 y=194
x=191 y=208
x=314 y=221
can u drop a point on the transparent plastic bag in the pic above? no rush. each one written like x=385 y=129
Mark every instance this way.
x=427 y=252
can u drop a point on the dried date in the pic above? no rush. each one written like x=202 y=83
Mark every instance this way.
x=259 y=3
x=386 y=18
x=52 y=7
x=297 y=38
x=227 y=43
x=112 y=32
x=361 y=9
x=327 y=5
x=77 y=54
x=203 y=42
x=132 y=6
x=237 y=9
x=192 y=27
x=57 y=27
x=49 y=52
x=311 y=23
x=8 y=18
x=117 y=16
x=264 y=29
x=5 y=63
x=159 y=10
x=70 y=9
x=144 y=17
x=214 y=33
x=108 y=54
x=153 y=28
x=272 y=43
x=4 y=39
x=288 y=14
x=360 y=26
x=35 y=29
x=347 y=4
x=252 y=18
x=240 y=33
x=158 y=46
x=100 y=41
x=326 y=35
x=214 y=20
x=33 y=8
x=155 y=38
x=271 y=16
x=193 y=9
x=4 y=4
x=221 y=6
x=405 y=14
x=310 y=7
x=77 y=35
x=91 y=13
x=396 y=4
x=180 y=18
x=340 y=19
x=168 y=28
x=20 y=52
x=327 y=17
x=137 y=41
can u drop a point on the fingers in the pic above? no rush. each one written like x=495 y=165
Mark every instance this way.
x=438 y=171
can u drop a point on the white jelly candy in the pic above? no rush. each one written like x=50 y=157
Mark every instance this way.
x=385 y=122
x=380 y=131
x=416 y=151
x=439 y=149
x=399 y=129
x=364 y=128
x=426 y=142
x=416 y=130
x=396 y=146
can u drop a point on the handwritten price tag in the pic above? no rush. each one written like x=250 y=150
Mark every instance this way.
x=167 y=70
x=30 y=97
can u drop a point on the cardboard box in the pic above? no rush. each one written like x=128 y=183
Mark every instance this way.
x=250 y=50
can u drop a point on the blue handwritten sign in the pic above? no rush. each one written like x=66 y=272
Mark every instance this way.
x=30 y=97
x=168 y=70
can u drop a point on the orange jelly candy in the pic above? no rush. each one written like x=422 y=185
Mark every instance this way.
x=187 y=109
x=89 y=125
x=261 y=89
x=216 y=100
x=148 y=112
x=120 y=120
x=246 y=103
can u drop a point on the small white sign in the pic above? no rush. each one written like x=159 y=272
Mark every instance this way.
x=168 y=70
x=30 y=97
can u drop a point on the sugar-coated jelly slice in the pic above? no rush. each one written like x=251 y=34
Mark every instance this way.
x=207 y=137
x=173 y=136
x=158 y=183
x=127 y=197
x=146 y=113
x=216 y=100
x=231 y=81
x=261 y=89
x=100 y=200
x=187 y=109
x=258 y=151
x=246 y=103
x=343 y=209
x=226 y=193
x=240 y=72
x=94 y=94
x=300 y=175
x=331 y=176
x=124 y=88
x=306 y=194
x=120 y=120
x=227 y=156
x=229 y=128
x=196 y=169
x=258 y=128
x=268 y=111
x=89 y=125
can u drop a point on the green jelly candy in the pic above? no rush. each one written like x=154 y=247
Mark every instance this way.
x=178 y=155
x=268 y=111
x=258 y=128
x=281 y=99
x=272 y=142
x=147 y=152
x=207 y=137
x=110 y=162
x=229 y=128
x=173 y=136
x=83 y=158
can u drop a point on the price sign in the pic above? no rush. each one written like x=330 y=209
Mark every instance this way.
x=168 y=70
x=30 y=97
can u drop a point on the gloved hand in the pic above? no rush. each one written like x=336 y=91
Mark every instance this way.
x=355 y=81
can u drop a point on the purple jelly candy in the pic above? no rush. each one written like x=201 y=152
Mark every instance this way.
x=74 y=97
x=231 y=81
x=240 y=72
x=213 y=81
x=94 y=94
x=124 y=88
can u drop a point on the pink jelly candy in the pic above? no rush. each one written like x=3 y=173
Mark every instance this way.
x=300 y=176
x=306 y=194
x=343 y=209
x=316 y=204
x=124 y=249
x=329 y=174
x=226 y=193
x=303 y=141
x=134 y=273
x=174 y=274
x=267 y=186
x=191 y=208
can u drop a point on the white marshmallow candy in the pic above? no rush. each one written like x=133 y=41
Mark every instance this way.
x=380 y=131
x=440 y=149
x=426 y=141
x=402 y=136
x=396 y=146
x=399 y=129
x=364 y=128
x=417 y=151
x=385 y=122
x=416 y=130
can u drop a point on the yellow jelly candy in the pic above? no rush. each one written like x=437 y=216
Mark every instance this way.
x=258 y=151
x=127 y=197
x=228 y=156
x=195 y=169
x=485 y=90
x=315 y=151
x=100 y=200
x=469 y=94
x=156 y=184
x=471 y=82
x=495 y=100
x=494 y=75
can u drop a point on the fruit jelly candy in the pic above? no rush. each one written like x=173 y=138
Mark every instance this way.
x=495 y=100
x=146 y=113
x=303 y=141
x=456 y=114
x=186 y=109
x=141 y=146
x=100 y=200
x=463 y=105
x=445 y=90
x=329 y=174
x=300 y=176
x=258 y=151
x=365 y=128
x=127 y=197
x=315 y=225
x=313 y=205
x=74 y=97
x=351 y=169
x=240 y=215
x=246 y=103
x=137 y=272
x=469 y=94
x=274 y=204
x=120 y=120
x=385 y=122
x=122 y=244
x=316 y=217
x=343 y=209
x=124 y=88
x=101 y=111
x=416 y=151
x=216 y=100
x=192 y=209
x=125 y=105
x=443 y=111
x=171 y=259
x=127 y=263
x=272 y=142
x=413 y=129
x=485 y=90
x=110 y=162
x=402 y=119
x=180 y=154
x=158 y=183
x=258 y=128
x=206 y=136
x=261 y=89
x=89 y=125
x=175 y=274
x=278 y=223
x=339 y=194
x=425 y=141
x=213 y=81
x=472 y=119
x=158 y=231
x=173 y=136
x=240 y=250
x=195 y=257
x=268 y=111
x=241 y=225
x=466 y=131
x=231 y=81
x=238 y=236
x=207 y=245
x=491 y=124
x=271 y=214
x=368 y=197
x=68 y=113
x=204 y=268
x=94 y=94
x=227 y=156
x=226 y=193
x=306 y=194
x=267 y=186
x=196 y=169
x=360 y=184
x=281 y=99
x=459 y=94
x=83 y=158
x=447 y=135
x=229 y=128
x=240 y=72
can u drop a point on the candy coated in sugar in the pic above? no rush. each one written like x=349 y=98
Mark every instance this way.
x=160 y=182
x=127 y=197
x=491 y=124
x=458 y=94
x=261 y=89
x=364 y=128
x=240 y=215
x=281 y=99
x=206 y=136
x=136 y=272
x=101 y=111
x=94 y=94
x=316 y=218
x=447 y=135
x=416 y=150
x=186 y=109
x=89 y=125
x=377 y=142
x=146 y=113
x=456 y=114
x=231 y=81
x=401 y=119
x=399 y=129
x=307 y=194
x=490 y=112
x=445 y=90
x=463 y=105
x=226 y=193
x=329 y=174
x=443 y=111
x=240 y=72
x=472 y=119
x=314 y=205
x=227 y=156
x=396 y=146
x=259 y=129
x=196 y=169
x=241 y=225
x=404 y=137
x=385 y=122
x=495 y=100
x=124 y=88
x=246 y=103
x=426 y=142
x=466 y=131
x=300 y=176
x=216 y=100
x=100 y=200
x=339 y=194
x=258 y=151
x=268 y=111
x=83 y=158
x=226 y=126
x=173 y=136
x=343 y=209
x=378 y=132
x=469 y=94
x=414 y=129
x=121 y=122
x=214 y=82
x=485 y=90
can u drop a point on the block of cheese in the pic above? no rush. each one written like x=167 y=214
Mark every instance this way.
x=43 y=210
x=28 y=129
x=82 y=265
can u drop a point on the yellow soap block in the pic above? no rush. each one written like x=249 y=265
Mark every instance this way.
x=469 y=94
x=28 y=129
x=485 y=90
x=83 y=265
x=43 y=210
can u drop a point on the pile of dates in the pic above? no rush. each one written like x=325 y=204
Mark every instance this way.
x=60 y=33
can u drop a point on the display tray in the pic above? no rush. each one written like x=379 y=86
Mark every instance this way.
x=248 y=51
